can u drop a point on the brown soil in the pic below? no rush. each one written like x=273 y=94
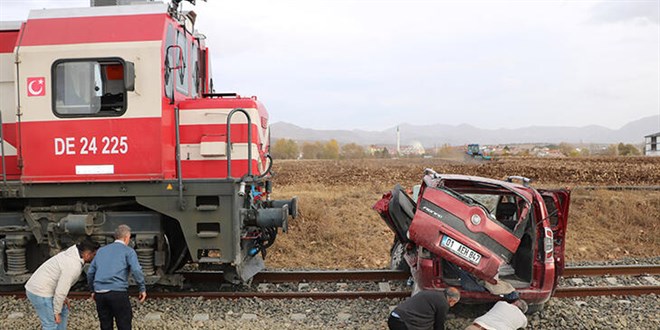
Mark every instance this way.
x=337 y=228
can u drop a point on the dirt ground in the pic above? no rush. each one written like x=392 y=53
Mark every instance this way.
x=337 y=229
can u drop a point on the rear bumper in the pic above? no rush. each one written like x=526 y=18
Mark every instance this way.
x=427 y=273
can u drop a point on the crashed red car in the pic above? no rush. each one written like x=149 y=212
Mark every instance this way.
x=491 y=229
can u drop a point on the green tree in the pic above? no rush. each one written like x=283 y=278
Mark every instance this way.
x=331 y=150
x=285 y=149
x=312 y=150
x=627 y=150
x=611 y=150
x=352 y=151
x=385 y=153
x=567 y=149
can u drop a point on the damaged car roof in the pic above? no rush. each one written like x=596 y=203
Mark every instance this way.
x=516 y=188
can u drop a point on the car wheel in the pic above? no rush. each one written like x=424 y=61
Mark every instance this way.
x=534 y=308
x=397 y=262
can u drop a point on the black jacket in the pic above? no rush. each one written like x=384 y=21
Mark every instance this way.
x=424 y=311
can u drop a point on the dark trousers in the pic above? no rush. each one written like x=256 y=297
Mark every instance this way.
x=395 y=323
x=114 y=305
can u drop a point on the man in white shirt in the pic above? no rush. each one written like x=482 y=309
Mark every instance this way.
x=503 y=316
x=48 y=287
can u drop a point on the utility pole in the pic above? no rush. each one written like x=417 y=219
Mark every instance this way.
x=398 y=141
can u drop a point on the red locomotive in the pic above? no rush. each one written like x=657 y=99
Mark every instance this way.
x=109 y=117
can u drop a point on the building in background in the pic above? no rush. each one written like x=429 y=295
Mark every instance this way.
x=651 y=147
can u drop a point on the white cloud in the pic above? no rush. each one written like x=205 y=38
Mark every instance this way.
x=491 y=64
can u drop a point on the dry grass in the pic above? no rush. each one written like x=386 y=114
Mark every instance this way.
x=337 y=228
x=611 y=225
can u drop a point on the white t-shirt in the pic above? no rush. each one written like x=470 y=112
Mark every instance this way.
x=55 y=277
x=503 y=316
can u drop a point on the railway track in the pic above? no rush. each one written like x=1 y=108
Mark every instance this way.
x=384 y=276
x=652 y=188
x=632 y=270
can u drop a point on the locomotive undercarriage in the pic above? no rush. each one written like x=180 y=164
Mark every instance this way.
x=215 y=223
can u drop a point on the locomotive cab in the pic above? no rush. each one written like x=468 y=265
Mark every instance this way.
x=109 y=118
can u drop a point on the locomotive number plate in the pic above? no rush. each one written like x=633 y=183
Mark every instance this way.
x=460 y=250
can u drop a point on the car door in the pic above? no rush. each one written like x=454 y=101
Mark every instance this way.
x=462 y=232
x=557 y=203
x=397 y=209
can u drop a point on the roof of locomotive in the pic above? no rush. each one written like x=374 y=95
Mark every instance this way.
x=10 y=25
x=139 y=9
x=127 y=23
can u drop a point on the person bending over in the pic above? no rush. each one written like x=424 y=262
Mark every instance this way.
x=427 y=310
x=503 y=316
x=48 y=287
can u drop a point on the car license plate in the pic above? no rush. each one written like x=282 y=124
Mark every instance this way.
x=460 y=250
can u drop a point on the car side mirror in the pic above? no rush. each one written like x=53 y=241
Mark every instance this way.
x=129 y=76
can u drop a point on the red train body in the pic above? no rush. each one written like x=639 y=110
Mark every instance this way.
x=109 y=116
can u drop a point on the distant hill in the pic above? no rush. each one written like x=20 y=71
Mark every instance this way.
x=438 y=134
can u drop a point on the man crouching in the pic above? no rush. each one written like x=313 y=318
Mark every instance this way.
x=503 y=316
x=426 y=310
x=48 y=287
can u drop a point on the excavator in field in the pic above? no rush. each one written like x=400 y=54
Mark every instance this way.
x=473 y=151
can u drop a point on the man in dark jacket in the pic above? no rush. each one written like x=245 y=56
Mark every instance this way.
x=424 y=311
x=108 y=280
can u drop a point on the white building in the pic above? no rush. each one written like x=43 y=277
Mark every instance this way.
x=652 y=147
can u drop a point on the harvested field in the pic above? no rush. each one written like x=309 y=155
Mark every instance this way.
x=337 y=228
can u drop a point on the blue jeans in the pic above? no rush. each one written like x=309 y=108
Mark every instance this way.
x=468 y=282
x=44 y=308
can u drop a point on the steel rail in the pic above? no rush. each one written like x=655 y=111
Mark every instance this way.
x=397 y=275
x=309 y=276
x=616 y=187
x=251 y=294
x=561 y=292
x=384 y=275
x=631 y=290
x=612 y=270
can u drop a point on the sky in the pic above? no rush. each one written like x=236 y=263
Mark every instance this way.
x=371 y=65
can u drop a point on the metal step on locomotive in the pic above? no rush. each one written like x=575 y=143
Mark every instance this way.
x=109 y=117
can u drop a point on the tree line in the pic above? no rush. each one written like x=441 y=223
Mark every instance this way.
x=290 y=149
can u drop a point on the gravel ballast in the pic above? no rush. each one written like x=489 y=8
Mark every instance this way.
x=629 y=312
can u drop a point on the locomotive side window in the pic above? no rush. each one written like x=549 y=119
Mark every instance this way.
x=194 y=59
x=182 y=74
x=169 y=60
x=89 y=87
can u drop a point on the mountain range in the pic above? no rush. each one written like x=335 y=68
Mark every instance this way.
x=438 y=134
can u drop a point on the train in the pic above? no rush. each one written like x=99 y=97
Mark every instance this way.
x=109 y=116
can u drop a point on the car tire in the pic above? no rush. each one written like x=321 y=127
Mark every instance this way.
x=534 y=308
x=397 y=261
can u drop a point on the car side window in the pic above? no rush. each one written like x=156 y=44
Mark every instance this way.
x=552 y=210
x=89 y=87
